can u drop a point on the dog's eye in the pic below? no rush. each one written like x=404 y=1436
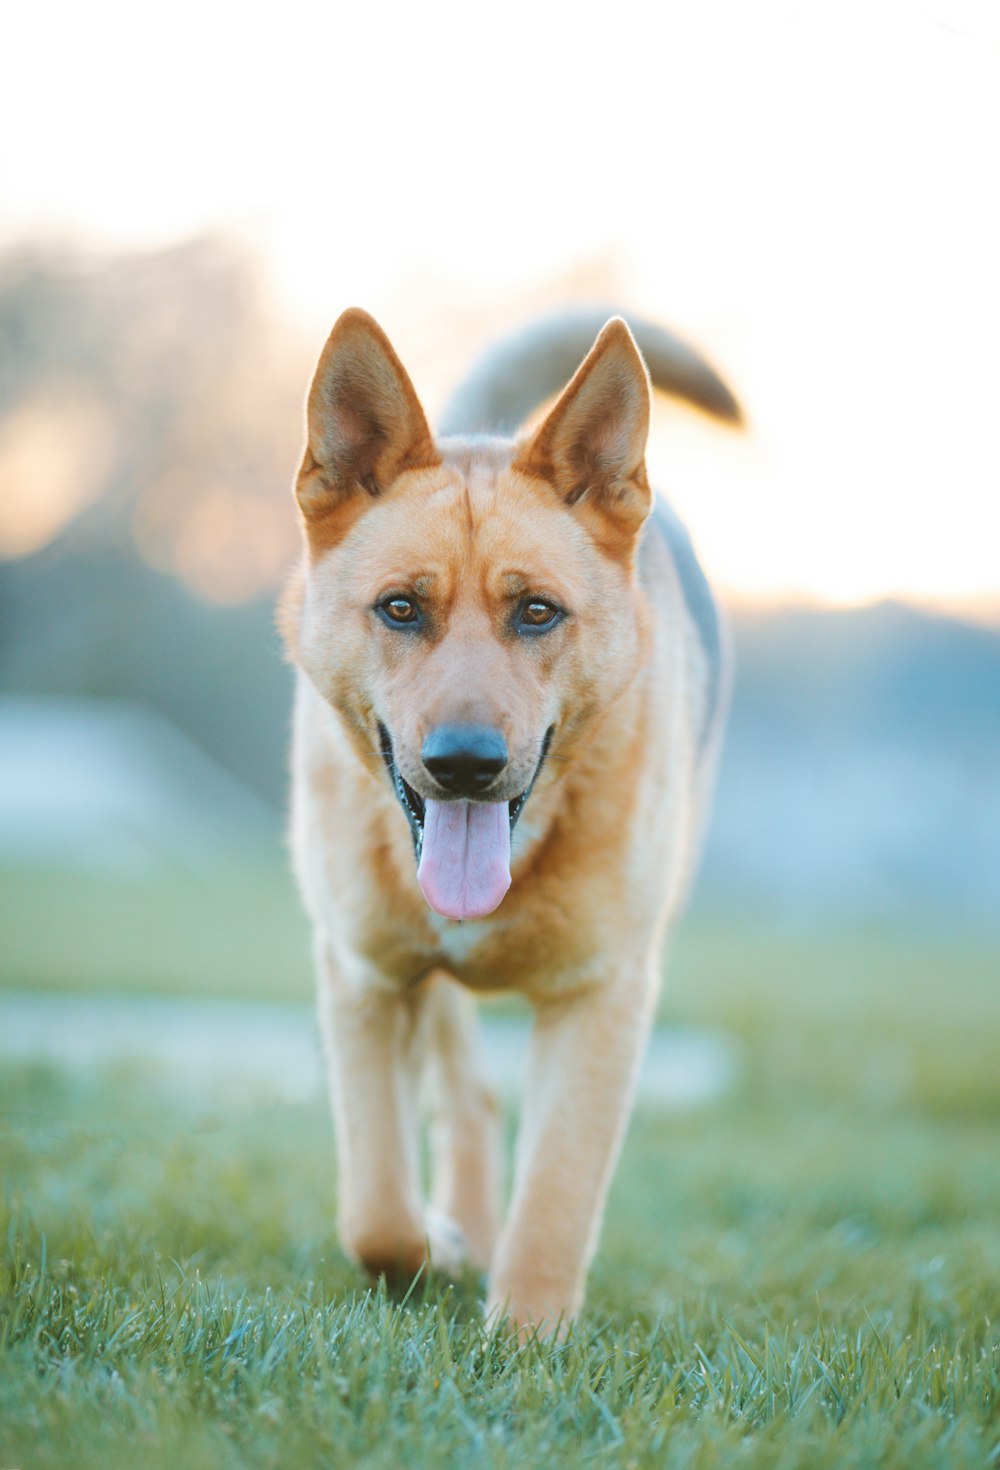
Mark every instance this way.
x=539 y=615
x=399 y=611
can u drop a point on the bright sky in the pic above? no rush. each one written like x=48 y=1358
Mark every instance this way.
x=809 y=191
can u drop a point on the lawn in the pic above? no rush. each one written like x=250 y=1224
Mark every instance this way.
x=805 y=1273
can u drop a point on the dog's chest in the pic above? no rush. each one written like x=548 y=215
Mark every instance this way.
x=512 y=952
x=459 y=942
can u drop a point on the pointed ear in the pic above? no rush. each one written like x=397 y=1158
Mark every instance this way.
x=592 y=446
x=365 y=424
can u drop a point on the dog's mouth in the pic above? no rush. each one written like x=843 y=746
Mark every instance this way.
x=462 y=847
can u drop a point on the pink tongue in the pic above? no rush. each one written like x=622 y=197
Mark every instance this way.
x=464 y=867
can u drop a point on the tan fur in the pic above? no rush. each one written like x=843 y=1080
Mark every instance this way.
x=603 y=848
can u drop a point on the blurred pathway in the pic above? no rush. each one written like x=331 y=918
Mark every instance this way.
x=271 y=1048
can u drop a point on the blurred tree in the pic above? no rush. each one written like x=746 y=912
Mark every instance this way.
x=171 y=372
x=150 y=421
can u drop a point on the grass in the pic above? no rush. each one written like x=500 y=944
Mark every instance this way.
x=236 y=927
x=795 y=1286
x=805 y=1274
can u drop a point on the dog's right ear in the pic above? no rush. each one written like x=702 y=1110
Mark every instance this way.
x=365 y=425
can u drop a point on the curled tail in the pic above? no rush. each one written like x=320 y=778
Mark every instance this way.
x=522 y=370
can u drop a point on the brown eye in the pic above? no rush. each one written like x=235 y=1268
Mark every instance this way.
x=538 y=616
x=399 y=611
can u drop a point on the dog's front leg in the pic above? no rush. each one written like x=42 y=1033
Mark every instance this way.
x=371 y=1039
x=584 y=1059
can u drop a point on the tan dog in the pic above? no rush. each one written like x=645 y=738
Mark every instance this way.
x=508 y=708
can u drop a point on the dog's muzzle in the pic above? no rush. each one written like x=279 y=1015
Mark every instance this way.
x=463 y=760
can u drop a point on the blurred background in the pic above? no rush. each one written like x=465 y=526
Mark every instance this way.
x=188 y=199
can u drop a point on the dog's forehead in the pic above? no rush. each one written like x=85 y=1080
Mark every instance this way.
x=478 y=521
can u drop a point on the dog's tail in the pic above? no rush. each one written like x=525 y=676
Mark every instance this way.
x=521 y=371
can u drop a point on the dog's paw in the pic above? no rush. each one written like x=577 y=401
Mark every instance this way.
x=535 y=1308
x=446 y=1243
x=395 y=1257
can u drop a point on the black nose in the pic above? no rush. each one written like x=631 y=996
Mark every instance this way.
x=464 y=758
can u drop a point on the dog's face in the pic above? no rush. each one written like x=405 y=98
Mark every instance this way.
x=468 y=607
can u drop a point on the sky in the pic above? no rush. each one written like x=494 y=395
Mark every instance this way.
x=807 y=191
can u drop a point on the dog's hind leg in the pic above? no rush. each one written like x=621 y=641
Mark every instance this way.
x=465 y=1120
x=372 y=1039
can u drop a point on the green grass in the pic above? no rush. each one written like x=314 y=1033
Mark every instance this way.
x=804 y=1274
x=777 y=1281
x=236 y=928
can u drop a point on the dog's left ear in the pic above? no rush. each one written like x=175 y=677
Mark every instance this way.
x=592 y=446
x=364 y=421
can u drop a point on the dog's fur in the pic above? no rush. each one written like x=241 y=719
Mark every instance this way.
x=616 y=710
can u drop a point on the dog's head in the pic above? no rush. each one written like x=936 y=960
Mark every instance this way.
x=468 y=605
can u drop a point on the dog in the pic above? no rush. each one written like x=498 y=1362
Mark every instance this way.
x=511 y=686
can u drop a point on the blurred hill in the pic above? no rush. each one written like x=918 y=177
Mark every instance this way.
x=105 y=786
x=861 y=772
x=150 y=421
x=95 y=621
